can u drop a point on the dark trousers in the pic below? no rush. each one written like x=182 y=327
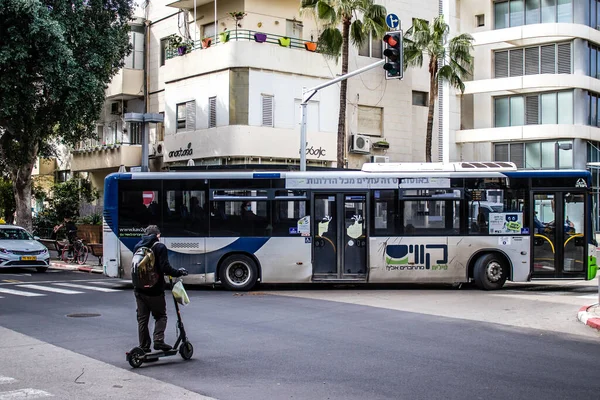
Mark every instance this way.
x=158 y=307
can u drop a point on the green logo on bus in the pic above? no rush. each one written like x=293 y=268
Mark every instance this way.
x=397 y=256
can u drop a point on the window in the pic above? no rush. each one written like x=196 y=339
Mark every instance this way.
x=594 y=54
x=519 y=12
x=384 y=212
x=212 y=112
x=419 y=98
x=208 y=30
x=286 y=213
x=547 y=59
x=370 y=120
x=431 y=217
x=536 y=155
x=160 y=129
x=294 y=28
x=371 y=48
x=267 y=110
x=135 y=133
x=139 y=206
x=163 y=50
x=544 y=108
x=240 y=217
x=135 y=59
x=186 y=116
x=480 y=20
x=185 y=211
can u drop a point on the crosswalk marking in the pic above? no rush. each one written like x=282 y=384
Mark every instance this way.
x=6 y=379
x=98 y=289
x=24 y=394
x=111 y=282
x=50 y=289
x=20 y=293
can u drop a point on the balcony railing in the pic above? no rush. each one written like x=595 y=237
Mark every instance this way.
x=245 y=35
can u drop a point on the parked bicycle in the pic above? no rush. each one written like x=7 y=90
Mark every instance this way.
x=77 y=252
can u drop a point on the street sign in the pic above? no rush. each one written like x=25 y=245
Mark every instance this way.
x=392 y=21
x=148 y=197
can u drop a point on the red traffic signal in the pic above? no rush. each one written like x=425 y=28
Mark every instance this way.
x=393 y=55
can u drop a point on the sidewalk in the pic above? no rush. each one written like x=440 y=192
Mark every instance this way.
x=91 y=264
x=590 y=315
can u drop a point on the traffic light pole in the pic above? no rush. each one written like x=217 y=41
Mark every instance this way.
x=308 y=94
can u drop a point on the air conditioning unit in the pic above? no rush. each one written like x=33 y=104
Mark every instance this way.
x=361 y=144
x=380 y=159
x=160 y=148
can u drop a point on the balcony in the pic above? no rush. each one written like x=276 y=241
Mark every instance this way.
x=250 y=49
x=109 y=153
x=126 y=84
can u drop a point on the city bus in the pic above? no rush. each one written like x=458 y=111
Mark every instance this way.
x=481 y=222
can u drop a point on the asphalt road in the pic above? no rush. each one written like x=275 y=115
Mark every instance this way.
x=262 y=345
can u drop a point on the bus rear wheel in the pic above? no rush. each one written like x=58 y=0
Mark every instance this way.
x=490 y=272
x=238 y=272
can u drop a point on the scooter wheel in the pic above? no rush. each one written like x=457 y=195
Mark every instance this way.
x=136 y=357
x=186 y=350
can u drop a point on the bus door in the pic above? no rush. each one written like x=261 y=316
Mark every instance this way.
x=339 y=236
x=559 y=234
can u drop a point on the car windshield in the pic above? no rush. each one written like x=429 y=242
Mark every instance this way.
x=14 y=234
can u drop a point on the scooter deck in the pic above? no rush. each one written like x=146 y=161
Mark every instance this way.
x=158 y=354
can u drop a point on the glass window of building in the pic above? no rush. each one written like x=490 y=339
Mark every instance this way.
x=547 y=59
x=564 y=102
x=549 y=112
x=502 y=112
x=537 y=155
x=517 y=111
x=519 y=12
x=534 y=109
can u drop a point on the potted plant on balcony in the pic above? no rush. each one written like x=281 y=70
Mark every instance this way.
x=179 y=44
x=237 y=16
x=224 y=37
x=381 y=144
x=260 y=37
x=206 y=42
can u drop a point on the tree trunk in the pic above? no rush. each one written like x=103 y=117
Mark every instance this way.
x=433 y=92
x=341 y=136
x=21 y=180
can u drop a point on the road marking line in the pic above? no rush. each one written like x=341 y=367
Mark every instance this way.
x=121 y=282
x=589 y=296
x=6 y=379
x=50 y=289
x=99 y=289
x=24 y=394
x=19 y=293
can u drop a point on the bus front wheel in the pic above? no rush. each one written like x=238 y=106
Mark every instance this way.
x=490 y=272
x=238 y=272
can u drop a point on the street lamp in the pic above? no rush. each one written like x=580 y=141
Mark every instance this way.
x=144 y=118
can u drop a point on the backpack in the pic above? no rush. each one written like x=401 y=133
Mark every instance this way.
x=144 y=274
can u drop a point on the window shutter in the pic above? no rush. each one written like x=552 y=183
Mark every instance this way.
x=517 y=154
x=212 y=112
x=190 y=116
x=501 y=152
x=267 y=110
x=532 y=61
x=564 y=58
x=501 y=64
x=516 y=62
x=532 y=110
x=548 y=59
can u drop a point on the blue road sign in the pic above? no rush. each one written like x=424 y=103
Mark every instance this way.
x=392 y=21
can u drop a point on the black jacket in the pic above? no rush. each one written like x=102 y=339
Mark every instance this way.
x=161 y=261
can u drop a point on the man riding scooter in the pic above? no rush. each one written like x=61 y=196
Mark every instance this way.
x=152 y=299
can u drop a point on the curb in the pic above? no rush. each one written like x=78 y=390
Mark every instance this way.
x=587 y=318
x=66 y=267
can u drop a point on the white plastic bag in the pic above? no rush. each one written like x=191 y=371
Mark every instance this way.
x=180 y=294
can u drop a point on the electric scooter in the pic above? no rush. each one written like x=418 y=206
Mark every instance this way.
x=137 y=356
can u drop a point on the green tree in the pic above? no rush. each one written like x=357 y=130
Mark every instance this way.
x=428 y=39
x=68 y=196
x=332 y=42
x=56 y=59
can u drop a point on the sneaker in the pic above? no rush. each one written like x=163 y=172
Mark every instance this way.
x=162 y=346
x=146 y=349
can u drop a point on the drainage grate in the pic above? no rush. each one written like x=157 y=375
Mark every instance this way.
x=83 y=315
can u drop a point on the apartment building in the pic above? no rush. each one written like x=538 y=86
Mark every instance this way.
x=236 y=100
x=533 y=99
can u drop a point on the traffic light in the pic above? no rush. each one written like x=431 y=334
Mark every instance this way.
x=394 y=55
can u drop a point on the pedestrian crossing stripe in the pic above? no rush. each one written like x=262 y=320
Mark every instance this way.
x=20 y=293
x=6 y=379
x=24 y=394
x=98 y=289
x=49 y=289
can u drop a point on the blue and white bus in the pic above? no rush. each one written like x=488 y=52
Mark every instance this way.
x=387 y=223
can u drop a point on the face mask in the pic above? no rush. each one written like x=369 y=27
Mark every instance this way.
x=248 y=208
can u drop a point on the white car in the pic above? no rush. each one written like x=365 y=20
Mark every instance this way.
x=18 y=249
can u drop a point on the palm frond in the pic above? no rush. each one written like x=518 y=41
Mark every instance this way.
x=330 y=42
x=413 y=56
x=446 y=73
x=327 y=13
x=358 y=34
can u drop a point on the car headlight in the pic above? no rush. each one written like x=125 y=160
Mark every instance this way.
x=4 y=251
x=44 y=251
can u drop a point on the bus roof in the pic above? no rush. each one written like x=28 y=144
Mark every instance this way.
x=439 y=167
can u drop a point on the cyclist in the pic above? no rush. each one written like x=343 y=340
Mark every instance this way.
x=71 y=229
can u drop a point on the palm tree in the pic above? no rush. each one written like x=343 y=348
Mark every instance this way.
x=456 y=62
x=332 y=42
